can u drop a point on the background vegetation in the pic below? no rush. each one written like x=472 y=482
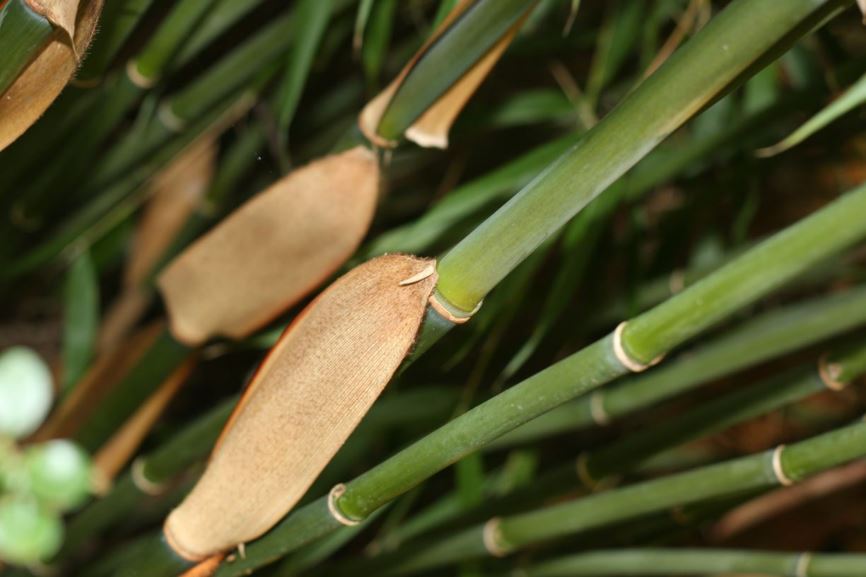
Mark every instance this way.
x=714 y=197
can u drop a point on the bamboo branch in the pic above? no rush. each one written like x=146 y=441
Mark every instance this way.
x=694 y=561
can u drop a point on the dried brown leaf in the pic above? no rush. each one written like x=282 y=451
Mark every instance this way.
x=306 y=398
x=99 y=380
x=115 y=454
x=44 y=78
x=273 y=250
x=175 y=194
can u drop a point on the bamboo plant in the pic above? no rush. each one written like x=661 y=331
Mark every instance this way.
x=292 y=337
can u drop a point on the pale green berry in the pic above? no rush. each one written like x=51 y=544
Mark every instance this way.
x=28 y=533
x=25 y=392
x=59 y=473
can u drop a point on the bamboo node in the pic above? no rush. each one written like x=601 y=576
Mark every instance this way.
x=136 y=77
x=801 y=566
x=449 y=313
x=142 y=483
x=168 y=118
x=624 y=358
x=491 y=534
x=590 y=482
x=334 y=509
x=778 y=469
x=830 y=373
x=596 y=409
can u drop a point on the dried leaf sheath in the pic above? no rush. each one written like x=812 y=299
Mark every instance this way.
x=432 y=127
x=306 y=398
x=41 y=82
x=273 y=250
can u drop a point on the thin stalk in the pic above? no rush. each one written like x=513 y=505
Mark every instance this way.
x=754 y=472
x=768 y=336
x=631 y=452
x=224 y=15
x=234 y=72
x=712 y=62
x=700 y=561
x=591 y=367
x=116 y=23
x=156 y=57
x=23 y=34
x=163 y=358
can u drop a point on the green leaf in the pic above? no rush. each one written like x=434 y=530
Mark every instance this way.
x=365 y=7
x=852 y=98
x=311 y=20
x=81 y=318
x=25 y=391
x=377 y=39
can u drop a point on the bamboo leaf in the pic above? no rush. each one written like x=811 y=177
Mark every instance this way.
x=365 y=7
x=311 y=221
x=81 y=312
x=330 y=366
x=851 y=99
x=310 y=23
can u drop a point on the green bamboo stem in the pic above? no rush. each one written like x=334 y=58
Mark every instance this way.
x=768 y=336
x=117 y=21
x=589 y=368
x=23 y=34
x=631 y=452
x=222 y=16
x=234 y=72
x=724 y=412
x=754 y=472
x=711 y=63
x=700 y=561
x=169 y=38
x=465 y=42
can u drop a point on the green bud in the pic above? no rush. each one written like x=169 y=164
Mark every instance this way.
x=59 y=473
x=28 y=533
x=25 y=392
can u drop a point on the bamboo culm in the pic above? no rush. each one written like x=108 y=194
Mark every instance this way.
x=595 y=468
x=768 y=336
x=699 y=561
x=683 y=86
x=780 y=466
x=589 y=368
